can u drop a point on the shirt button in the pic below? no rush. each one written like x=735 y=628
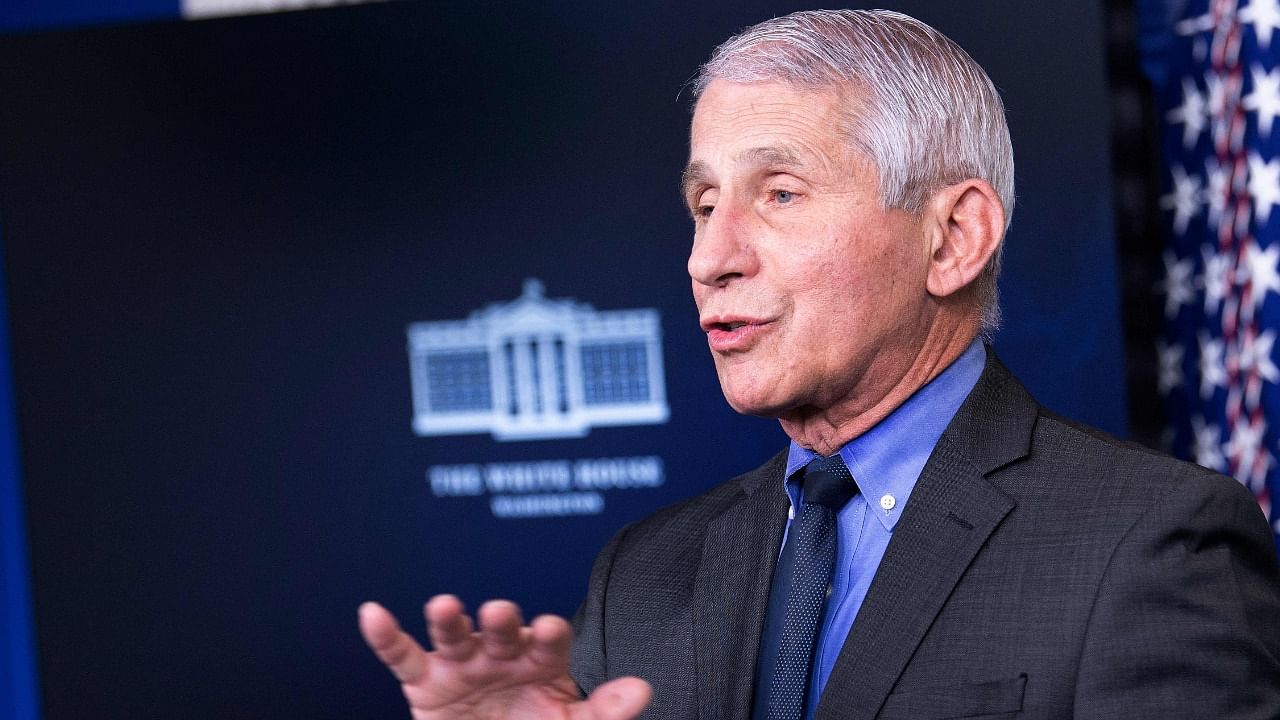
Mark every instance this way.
x=887 y=502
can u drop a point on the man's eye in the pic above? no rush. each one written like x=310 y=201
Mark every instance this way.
x=703 y=212
x=783 y=197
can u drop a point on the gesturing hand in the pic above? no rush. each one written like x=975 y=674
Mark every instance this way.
x=505 y=670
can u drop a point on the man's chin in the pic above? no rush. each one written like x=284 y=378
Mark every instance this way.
x=757 y=405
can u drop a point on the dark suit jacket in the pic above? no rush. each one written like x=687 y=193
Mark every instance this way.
x=1039 y=570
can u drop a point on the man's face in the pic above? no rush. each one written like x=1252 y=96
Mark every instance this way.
x=811 y=293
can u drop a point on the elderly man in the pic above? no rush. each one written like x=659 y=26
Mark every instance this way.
x=933 y=543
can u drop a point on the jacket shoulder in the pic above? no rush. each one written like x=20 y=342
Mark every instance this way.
x=690 y=517
x=1091 y=456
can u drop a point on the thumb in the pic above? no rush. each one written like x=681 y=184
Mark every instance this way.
x=621 y=699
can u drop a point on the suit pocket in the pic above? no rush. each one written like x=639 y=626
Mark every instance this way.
x=952 y=701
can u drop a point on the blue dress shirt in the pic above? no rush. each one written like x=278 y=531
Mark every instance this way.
x=885 y=462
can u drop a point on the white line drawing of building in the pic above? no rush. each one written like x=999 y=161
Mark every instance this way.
x=536 y=368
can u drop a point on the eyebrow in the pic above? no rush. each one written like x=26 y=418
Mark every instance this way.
x=768 y=156
x=699 y=173
x=695 y=173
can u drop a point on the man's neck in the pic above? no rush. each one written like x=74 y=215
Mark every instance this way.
x=826 y=431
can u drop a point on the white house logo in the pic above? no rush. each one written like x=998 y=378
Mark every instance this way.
x=536 y=368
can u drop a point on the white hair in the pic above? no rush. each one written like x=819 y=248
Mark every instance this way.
x=921 y=109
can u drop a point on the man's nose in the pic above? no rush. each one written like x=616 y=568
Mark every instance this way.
x=722 y=248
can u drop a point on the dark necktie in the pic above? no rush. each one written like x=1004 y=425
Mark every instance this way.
x=800 y=587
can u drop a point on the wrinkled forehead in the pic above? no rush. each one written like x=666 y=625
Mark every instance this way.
x=771 y=122
x=763 y=101
x=742 y=133
x=839 y=104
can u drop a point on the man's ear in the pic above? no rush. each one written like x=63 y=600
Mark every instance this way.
x=964 y=224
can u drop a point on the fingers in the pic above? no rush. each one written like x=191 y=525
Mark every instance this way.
x=501 y=636
x=400 y=653
x=500 y=630
x=550 y=638
x=449 y=628
x=621 y=699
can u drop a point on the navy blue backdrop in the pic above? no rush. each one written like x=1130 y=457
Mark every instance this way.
x=217 y=232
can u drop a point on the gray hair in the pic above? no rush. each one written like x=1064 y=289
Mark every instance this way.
x=922 y=110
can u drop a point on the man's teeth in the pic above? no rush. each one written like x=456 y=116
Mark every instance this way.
x=736 y=325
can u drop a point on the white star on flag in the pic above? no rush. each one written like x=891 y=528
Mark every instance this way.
x=1257 y=472
x=1185 y=198
x=1208 y=444
x=1245 y=442
x=1264 y=185
x=1217 y=266
x=1256 y=356
x=1193 y=25
x=1177 y=283
x=1264 y=15
x=1264 y=273
x=1213 y=371
x=1170 y=365
x=1215 y=195
x=1216 y=97
x=1254 y=473
x=1191 y=113
x=1265 y=98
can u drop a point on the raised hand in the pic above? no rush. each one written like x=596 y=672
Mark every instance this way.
x=505 y=670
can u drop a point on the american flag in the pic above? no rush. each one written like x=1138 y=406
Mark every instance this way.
x=1217 y=84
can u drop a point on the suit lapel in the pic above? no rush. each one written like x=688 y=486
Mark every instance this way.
x=952 y=511
x=732 y=590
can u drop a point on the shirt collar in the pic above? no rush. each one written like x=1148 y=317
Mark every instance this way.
x=886 y=460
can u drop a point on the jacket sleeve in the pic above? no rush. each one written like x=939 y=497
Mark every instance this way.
x=1186 y=622
x=587 y=660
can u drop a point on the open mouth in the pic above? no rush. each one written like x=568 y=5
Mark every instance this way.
x=731 y=324
x=734 y=335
